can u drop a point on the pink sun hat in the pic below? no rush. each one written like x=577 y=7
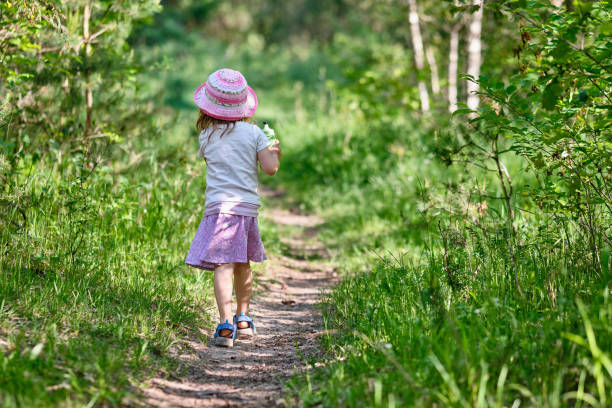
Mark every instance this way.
x=226 y=96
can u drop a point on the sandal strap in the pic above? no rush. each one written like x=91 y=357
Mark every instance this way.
x=227 y=326
x=244 y=318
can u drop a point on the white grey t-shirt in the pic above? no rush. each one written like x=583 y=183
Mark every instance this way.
x=232 y=163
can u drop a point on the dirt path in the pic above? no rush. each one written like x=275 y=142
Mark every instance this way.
x=287 y=321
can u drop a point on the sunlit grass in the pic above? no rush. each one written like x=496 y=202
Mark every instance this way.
x=93 y=300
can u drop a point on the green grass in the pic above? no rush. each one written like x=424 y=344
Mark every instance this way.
x=93 y=288
x=402 y=342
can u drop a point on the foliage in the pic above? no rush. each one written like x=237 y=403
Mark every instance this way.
x=77 y=56
x=557 y=110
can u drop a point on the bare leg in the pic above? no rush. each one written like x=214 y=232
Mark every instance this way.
x=243 y=280
x=223 y=294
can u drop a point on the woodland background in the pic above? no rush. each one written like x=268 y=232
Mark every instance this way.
x=460 y=154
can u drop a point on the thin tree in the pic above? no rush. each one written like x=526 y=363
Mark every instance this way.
x=474 y=54
x=88 y=91
x=453 y=63
x=418 y=49
x=433 y=66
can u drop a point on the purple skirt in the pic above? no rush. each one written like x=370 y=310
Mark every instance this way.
x=225 y=238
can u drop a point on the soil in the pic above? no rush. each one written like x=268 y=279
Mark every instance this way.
x=288 y=322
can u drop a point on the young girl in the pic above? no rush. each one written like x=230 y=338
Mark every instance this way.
x=228 y=237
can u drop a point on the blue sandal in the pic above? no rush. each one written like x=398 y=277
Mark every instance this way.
x=225 y=341
x=247 y=332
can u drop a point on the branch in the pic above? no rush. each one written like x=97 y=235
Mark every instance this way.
x=597 y=86
x=102 y=31
x=475 y=164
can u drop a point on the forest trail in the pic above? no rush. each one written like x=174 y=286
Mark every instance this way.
x=287 y=320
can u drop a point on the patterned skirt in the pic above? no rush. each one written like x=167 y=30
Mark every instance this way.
x=225 y=238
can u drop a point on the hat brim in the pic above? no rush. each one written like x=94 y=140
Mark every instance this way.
x=225 y=112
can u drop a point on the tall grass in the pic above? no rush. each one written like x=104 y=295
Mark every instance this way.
x=406 y=334
x=93 y=286
x=428 y=314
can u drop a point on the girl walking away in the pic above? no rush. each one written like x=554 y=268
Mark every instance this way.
x=228 y=237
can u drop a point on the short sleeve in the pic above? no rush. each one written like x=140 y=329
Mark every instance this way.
x=203 y=139
x=262 y=139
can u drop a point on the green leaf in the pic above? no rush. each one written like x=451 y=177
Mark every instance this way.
x=538 y=161
x=462 y=112
x=574 y=337
x=551 y=94
x=561 y=51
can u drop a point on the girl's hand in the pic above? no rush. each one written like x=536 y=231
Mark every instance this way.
x=269 y=158
x=275 y=148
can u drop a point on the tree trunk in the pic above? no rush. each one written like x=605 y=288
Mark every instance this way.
x=418 y=49
x=563 y=5
x=453 y=62
x=474 y=54
x=560 y=3
x=88 y=91
x=431 y=61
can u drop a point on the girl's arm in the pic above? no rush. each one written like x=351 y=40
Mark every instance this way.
x=269 y=158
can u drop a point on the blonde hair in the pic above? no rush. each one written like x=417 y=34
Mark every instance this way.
x=207 y=122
